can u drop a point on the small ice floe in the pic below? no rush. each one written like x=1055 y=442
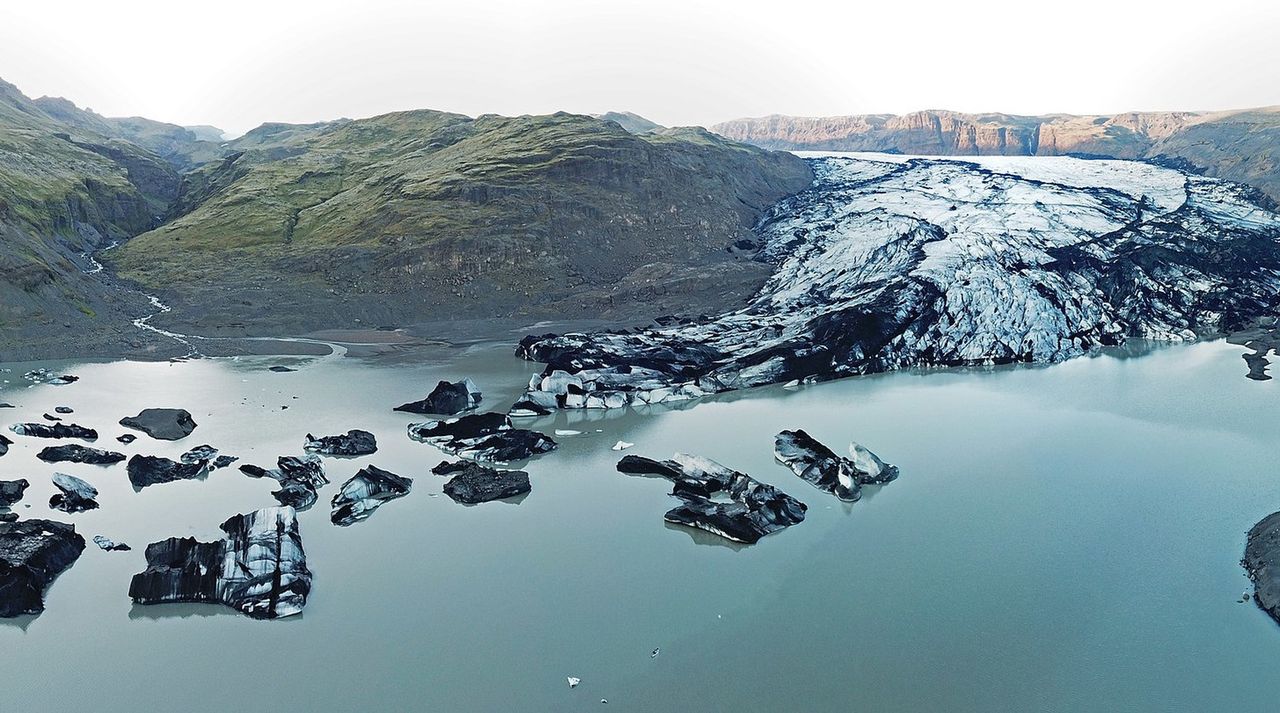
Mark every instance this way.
x=567 y=432
x=258 y=567
x=484 y=436
x=573 y=681
x=299 y=478
x=473 y=483
x=448 y=399
x=365 y=492
x=110 y=545
x=154 y=470
x=44 y=376
x=354 y=443
x=76 y=495
x=718 y=499
x=622 y=445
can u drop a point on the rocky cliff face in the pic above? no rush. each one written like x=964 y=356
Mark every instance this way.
x=1239 y=146
x=887 y=265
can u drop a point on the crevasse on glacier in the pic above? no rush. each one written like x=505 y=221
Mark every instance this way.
x=894 y=262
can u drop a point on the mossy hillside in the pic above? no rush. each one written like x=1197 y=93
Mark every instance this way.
x=532 y=206
x=1243 y=146
x=65 y=190
x=181 y=147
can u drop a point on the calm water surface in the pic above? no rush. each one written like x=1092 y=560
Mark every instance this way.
x=1061 y=539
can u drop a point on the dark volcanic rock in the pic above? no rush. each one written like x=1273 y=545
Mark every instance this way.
x=6 y=516
x=165 y=424
x=257 y=471
x=75 y=453
x=365 y=492
x=152 y=470
x=50 y=417
x=127 y=438
x=32 y=554
x=76 y=495
x=1262 y=563
x=447 y=399
x=354 y=443
x=483 y=436
x=56 y=430
x=1263 y=337
x=4 y=445
x=281 y=369
x=223 y=461
x=473 y=483
x=5 y=404
x=719 y=500
x=63 y=409
x=842 y=477
x=110 y=545
x=449 y=467
x=299 y=479
x=11 y=491
x=259 y=568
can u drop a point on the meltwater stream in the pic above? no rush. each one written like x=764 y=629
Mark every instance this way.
x=190 y=341
x=1061 y=538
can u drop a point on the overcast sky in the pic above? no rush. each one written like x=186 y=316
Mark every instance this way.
x=236 y=64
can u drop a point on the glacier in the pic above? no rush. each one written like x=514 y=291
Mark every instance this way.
x=890 y=262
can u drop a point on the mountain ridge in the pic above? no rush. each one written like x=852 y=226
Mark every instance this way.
x=1238 y=145
x=418 y=213
x=391 y=220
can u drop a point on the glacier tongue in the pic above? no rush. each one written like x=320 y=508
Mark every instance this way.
x=886 y=264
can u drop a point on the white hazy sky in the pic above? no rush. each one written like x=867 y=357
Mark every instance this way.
x=236 y=64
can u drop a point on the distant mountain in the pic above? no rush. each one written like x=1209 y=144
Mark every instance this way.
x=204 y=132
x=424 y=215
x=1240 y=145
x=398 y=219
x=634 y=123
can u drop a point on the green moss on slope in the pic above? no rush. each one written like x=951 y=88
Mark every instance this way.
x=408 y=208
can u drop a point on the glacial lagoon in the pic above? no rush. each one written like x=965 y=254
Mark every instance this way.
x=1061 y=538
